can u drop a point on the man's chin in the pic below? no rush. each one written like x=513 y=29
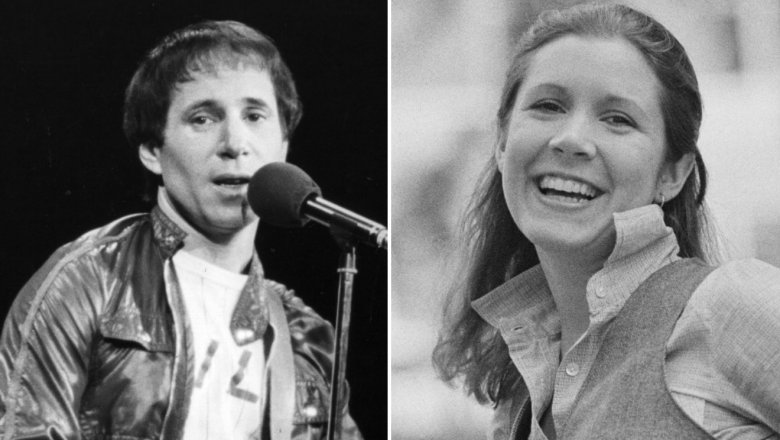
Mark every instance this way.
x=226 y=225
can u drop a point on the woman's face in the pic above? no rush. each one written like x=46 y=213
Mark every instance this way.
x=585 y=140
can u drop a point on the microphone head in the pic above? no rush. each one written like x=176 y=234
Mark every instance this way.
x=277 y=193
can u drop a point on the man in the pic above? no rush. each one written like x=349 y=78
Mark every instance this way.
x=163 y=325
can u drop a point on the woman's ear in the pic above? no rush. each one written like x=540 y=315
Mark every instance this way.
x=150 y=157
x=674 y=175
x=499 y=156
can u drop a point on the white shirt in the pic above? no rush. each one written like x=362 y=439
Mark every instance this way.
x=228 y=389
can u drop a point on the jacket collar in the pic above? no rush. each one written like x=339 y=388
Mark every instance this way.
x=249 y=320
x=131 y=318
x=250 y=316
x=168 y=236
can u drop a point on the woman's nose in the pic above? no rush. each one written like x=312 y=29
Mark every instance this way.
x=574 y=140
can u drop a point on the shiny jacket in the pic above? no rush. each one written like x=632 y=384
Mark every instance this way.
x=96 y=345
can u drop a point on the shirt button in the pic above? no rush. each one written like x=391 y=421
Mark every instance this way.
x=572 y=369
x=600 y=292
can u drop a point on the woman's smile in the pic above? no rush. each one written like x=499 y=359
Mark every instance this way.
x=585 y=140
x=569 y=191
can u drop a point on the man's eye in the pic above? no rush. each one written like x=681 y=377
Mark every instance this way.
x=256 y=116
x=200 y=120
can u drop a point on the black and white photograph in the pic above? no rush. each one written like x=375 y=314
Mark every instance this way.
x=194 y=197
x=412 y=220
x=585 y=219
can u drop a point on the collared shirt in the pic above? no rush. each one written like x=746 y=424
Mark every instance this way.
x=250 y=315
x=523 y=310
x=227 y=398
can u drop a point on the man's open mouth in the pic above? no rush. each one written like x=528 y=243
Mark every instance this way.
x=231 y=181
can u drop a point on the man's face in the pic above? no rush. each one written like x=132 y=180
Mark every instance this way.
x=221 y=127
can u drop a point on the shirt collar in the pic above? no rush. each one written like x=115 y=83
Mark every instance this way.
x=643 y=245
x=170 y=229
x=519 y=302
x=250 y=316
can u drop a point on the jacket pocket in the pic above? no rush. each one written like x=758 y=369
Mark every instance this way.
x=153 y=332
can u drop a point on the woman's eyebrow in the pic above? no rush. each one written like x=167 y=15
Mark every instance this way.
x=546 y=88
x=625 y=102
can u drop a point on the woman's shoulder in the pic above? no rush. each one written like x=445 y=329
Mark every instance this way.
x=748 y=267
x=733 y=321
x=738 y=304
x=739 y=286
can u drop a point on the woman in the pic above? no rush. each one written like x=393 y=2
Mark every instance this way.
x=586 y=309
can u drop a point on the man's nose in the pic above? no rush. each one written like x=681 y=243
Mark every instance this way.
x=235 y=139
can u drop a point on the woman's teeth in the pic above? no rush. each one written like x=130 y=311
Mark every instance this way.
x=567 y=189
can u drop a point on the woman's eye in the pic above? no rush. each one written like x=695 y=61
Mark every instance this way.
x=547 y=106
x=619 y=120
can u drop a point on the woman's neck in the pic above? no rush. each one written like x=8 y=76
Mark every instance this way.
x=567 y=276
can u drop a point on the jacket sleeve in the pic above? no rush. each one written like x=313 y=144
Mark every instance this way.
x=44 y=351
x=313 y=350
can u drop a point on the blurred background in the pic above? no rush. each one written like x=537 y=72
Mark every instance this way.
x=448 y=60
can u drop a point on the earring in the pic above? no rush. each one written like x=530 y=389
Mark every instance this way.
x=663 y=200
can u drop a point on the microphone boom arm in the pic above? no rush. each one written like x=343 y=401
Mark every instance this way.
x=341 y=219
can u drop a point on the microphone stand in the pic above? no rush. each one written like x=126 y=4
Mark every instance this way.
x=347 y=271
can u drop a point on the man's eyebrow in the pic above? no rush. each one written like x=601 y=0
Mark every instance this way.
x=213 y=105
x=258 y=102
x=202 y=104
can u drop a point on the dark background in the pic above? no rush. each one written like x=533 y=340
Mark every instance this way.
x=66 y=167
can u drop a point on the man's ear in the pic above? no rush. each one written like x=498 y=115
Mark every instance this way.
x=150 y=157
x=674 y=175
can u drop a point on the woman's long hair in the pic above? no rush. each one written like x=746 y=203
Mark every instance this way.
x=495 y=250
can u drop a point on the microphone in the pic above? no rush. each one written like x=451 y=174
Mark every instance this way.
x=284 y=195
